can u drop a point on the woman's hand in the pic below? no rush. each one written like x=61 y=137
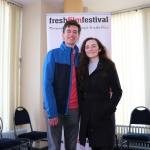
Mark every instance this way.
x=111 y=93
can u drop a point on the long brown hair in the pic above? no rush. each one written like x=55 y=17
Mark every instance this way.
x=84 y=60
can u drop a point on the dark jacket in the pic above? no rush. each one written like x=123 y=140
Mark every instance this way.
x=98 y=110
x=57 y=79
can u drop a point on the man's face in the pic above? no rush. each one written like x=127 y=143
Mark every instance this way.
x=71 y=36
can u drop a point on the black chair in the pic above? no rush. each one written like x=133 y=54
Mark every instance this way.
x=21 y=117
x=139 y=116
x=6 y=143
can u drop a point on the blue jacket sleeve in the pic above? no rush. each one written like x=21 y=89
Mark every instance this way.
x=48 y=90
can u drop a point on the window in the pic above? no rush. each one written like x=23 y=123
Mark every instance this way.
x=131 y=53
x=10 y=31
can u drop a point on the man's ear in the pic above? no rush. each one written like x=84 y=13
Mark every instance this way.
x=62 y=36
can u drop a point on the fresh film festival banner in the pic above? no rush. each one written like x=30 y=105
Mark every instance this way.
x=97 y=25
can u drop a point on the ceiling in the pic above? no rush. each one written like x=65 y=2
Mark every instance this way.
x=98 y=5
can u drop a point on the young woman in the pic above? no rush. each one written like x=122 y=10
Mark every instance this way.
x=97 y=75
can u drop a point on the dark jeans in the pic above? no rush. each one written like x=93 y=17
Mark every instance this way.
x=70 y=123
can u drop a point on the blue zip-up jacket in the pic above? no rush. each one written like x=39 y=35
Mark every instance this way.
x=57 y=79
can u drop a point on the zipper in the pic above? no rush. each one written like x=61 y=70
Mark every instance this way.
x=70 y=82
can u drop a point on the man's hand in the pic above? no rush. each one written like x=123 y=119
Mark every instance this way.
x=53 y=122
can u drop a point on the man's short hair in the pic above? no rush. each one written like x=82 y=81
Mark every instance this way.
x=72 y=22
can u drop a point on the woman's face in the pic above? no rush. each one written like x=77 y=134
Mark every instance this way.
x=92 y=50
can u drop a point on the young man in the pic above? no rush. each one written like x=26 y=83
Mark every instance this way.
x=61 y=100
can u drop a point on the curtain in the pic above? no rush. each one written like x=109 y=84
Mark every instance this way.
x=131 y=53
x=144 y=16
x=10 y=32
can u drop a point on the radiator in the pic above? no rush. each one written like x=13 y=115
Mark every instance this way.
x=122 y=129
x=11 y=135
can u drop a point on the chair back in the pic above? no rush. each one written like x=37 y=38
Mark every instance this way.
x=138 y=137
x=140 y=115
x=21 y=117
x=1 y=127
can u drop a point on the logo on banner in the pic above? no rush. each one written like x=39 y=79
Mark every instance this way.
x=80 y=20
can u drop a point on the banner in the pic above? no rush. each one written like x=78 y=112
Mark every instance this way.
x=97 y=25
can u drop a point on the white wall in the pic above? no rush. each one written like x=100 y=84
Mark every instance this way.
x=34 y=49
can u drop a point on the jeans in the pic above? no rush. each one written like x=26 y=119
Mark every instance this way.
x=70 y=123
